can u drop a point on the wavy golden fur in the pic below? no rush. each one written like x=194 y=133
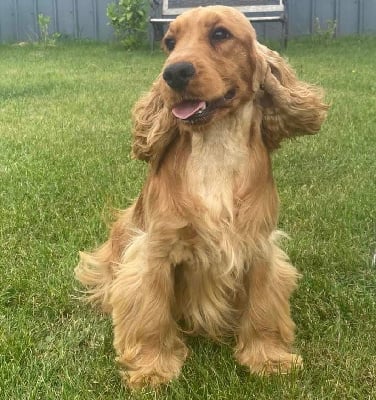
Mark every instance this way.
x=198 y=251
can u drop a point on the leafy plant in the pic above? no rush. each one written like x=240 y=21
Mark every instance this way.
x=45 y=37
x=321 y=34
x=128 y=18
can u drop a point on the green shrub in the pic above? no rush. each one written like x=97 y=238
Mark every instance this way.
x=128 y=18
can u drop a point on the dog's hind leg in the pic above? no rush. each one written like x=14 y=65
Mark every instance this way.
x=266 y=330
x=146 y=337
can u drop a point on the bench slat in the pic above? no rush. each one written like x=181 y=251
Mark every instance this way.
x=166 y=11
x=254 y=19
x=244 y=9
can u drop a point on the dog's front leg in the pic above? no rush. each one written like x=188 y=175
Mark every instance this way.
x=266 y=330
x=146 y=336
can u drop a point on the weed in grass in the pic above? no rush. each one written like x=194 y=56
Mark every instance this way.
x=324 y=35
x=46 y=38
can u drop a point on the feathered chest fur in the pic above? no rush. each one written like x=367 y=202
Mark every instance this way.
x=218 y=162
x=216 y=182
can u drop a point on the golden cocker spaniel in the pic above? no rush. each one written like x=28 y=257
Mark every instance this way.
x=198 y=251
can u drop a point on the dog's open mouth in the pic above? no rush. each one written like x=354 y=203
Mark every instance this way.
x=199 y=111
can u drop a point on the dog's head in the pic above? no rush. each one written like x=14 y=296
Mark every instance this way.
x=210 y=65
x=214 y=64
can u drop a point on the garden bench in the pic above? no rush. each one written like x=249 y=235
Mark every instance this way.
x=164 y=11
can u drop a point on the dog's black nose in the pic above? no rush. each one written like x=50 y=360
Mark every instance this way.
x=179 y=74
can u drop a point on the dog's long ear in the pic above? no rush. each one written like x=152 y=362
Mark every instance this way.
x=290 y=107
x=153 y=126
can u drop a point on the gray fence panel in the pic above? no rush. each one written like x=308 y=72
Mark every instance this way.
x=87 y=18
x=369 y=16
x=348 y=17
x=105 y=31
x=351 y=16
x=300 y=19
x=26 y=23
x=7 y=23
x=66 y=17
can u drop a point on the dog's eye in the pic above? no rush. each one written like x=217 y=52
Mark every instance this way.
x=169 y=43
x=219 y=34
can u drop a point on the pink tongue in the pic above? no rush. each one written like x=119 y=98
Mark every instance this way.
x=186 y=109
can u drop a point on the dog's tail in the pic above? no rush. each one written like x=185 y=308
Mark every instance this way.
x=95 y=273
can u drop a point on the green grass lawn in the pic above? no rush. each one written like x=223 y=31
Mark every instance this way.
x=65 y=164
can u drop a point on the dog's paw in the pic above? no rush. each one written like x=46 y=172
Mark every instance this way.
x=284 y=364
x=138 y=379
x=270 y=361
x=149 y=370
